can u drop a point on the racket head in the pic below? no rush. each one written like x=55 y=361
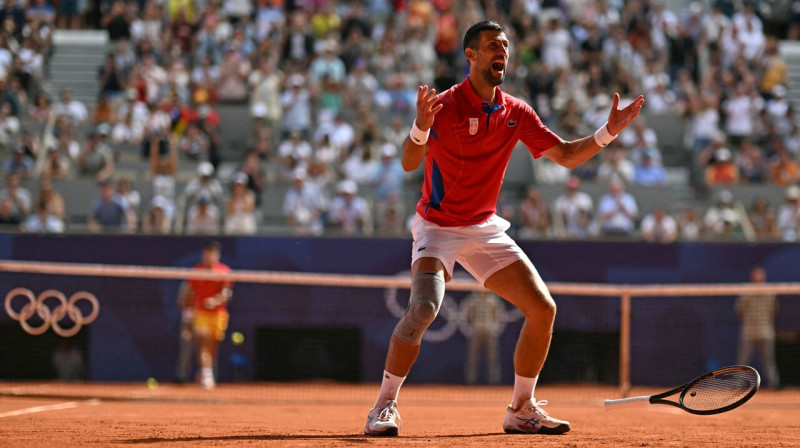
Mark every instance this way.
x=720 y=390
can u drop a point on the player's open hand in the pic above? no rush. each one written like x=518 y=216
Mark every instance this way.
x=427 y=107
x=619 y=119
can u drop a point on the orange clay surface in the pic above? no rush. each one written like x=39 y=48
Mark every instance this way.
x=332 y=415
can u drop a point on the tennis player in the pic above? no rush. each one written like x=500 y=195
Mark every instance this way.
x=210 y=318
x=466 y=136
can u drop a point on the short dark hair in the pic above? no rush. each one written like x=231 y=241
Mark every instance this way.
x=213 y=245
x=473 y=34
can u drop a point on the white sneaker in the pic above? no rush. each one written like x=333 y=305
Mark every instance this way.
x=207 y=382
x=383 y=421
x=530 y=418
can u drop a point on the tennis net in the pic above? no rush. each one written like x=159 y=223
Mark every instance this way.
x=114 y=332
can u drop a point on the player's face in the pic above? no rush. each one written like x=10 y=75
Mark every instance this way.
x=210 y=257
x=492 y=57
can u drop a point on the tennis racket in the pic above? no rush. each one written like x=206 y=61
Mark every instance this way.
x=711 y=393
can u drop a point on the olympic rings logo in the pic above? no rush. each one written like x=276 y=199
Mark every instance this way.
x=454 y=315
x=66 y=307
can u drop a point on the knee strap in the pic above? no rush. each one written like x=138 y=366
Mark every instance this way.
x=427 y=292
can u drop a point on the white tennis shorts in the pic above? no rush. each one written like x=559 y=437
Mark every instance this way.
x=482 y=249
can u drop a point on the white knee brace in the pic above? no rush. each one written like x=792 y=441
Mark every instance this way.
x=427 y=292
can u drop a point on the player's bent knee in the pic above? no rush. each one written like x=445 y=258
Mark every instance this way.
x=427 y=292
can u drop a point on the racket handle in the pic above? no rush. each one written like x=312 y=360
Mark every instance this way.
x=625 y=402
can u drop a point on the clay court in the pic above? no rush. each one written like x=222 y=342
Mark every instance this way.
x=332 y=415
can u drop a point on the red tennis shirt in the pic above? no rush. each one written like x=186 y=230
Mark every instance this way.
x=204 y=289
x=468 y=152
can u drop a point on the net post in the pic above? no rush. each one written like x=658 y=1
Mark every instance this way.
x=625 y=344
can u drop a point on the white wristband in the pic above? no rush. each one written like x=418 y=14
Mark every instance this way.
x=417 y=135
x=602 y=137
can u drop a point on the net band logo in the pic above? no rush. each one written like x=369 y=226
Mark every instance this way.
x=65 y=308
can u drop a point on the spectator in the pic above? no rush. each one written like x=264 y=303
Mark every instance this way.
x=203 y=218
x=240 y=218
x=659 y=227
x=534 y=216
x=107 y=215
x=739 y=110
x=484 y=313
x=569 y=205
x=788 y=214
x=303 y=206
x=163 y=169
x=721 y=169
x=39 y=111
x=583 y=226
x=18 y=163
x=51 y=198
x=96 y=159
x=296 y=103
x=113 y=79
x=19 y=197
x=615 y=164
x=118 y=21
x=648 y=172
x=204 y=185
x=690 y=226
x=762 y=219
x=295 y=152
x=194 y=144
x=251 y=167
x=130 y=198
x=9 y=124
x=617 y=210
x=757 y=314
x=156 y=221
x=59 y=158
x=389 y=180
x=42 y=221
x=751 y=164
x=349 y=212
x=74 y=110
x=233 y=77
x=7 y=215
x=784 y=170
x=266 y=88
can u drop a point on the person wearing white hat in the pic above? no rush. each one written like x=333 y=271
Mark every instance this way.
x=789 y=214
x=204 y=185
x=349 y=212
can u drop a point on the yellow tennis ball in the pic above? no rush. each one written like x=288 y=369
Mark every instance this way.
x=152 y=383
x=237 y=338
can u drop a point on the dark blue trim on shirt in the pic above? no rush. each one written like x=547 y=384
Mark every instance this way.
x=489 y=109
x=437 y=187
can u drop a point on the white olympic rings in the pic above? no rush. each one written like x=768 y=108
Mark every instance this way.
x=52 y=318
x=454 y=314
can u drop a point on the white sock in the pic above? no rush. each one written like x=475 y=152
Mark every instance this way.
x=523 y=390
x=207 y=372
x=390 y=387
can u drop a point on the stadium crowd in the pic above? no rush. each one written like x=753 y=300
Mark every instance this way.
x=330 y=89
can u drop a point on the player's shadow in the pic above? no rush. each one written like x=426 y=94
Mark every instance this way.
x=356 y=438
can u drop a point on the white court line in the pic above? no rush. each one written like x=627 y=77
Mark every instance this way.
x=51 y=407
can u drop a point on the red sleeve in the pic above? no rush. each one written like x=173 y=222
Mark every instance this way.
x=535 y=135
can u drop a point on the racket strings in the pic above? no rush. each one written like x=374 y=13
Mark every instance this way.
x=720 y=390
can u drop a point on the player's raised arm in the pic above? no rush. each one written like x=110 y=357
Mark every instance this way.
x=416 y=144
x=574 y=153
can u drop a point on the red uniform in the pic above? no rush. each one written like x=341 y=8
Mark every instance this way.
x=204 y=289
x=468 y=152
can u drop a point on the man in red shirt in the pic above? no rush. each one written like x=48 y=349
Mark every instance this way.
x=466 y=136
x=209 y=301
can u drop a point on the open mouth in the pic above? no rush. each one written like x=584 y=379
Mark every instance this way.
x=499 y=66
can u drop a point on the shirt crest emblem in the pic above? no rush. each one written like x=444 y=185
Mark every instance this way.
x=473 y=126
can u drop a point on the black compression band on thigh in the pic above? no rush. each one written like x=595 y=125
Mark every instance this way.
x=427 y=292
